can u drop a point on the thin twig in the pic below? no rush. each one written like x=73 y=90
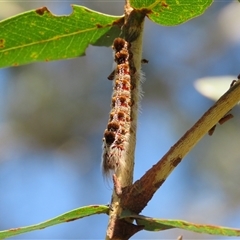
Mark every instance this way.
x=136 y=197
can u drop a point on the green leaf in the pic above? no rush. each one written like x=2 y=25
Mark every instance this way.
x=66 y=217
x=171 y=12
x=38 y=35
x=154 y=224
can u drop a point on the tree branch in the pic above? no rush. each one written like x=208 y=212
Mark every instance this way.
x=136 y=197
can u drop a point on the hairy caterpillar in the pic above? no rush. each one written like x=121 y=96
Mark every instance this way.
x=116 y=136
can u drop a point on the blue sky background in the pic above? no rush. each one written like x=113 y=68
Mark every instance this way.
x=52 y=118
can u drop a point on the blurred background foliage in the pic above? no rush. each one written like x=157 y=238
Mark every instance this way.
x=53 y=116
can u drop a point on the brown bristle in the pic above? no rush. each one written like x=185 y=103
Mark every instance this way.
x=109 y=137
x=113 y=126
x=118 y=44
